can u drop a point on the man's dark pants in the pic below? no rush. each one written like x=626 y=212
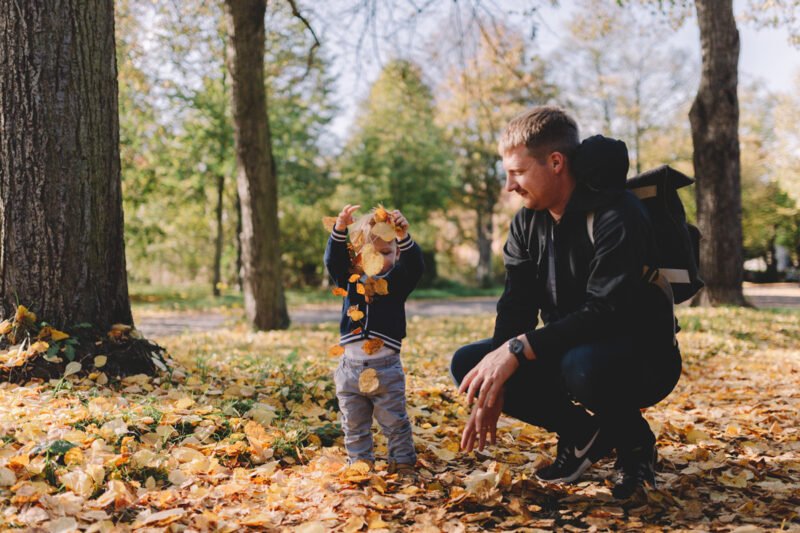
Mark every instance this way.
x=613 y=379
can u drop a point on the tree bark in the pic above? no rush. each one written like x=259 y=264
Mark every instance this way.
x=264 y=299
x=715 y=120
x=219 y=240
x=484 y=233
x=62 y=252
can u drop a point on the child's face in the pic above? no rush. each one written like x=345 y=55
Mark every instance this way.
x=389 y=252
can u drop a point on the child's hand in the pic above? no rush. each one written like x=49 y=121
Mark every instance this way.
x=345 y=218
x=400 y=223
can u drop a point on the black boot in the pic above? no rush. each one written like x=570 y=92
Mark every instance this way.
x=638 y=470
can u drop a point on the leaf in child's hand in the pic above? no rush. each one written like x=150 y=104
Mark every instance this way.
x=360 y=288
x=338 y=291
x=368 y=381
x=328 y=223
x=372 y=346
x=336 y=350
x=355 y=313
x=353 y=278
x=372 y=260
x=384 y=231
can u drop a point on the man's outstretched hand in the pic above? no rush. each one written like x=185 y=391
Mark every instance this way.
x=489 y=376
x=482 y=424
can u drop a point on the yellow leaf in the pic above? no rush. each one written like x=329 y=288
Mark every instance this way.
x=360 y=289
x=338 y=291
x=72 y=368
x=368 y=381
x=5 y=327
x=58 y=335
x=38 y=347
x=100 y=361
x=353 y=278
x=371 y=260
x=379 y=286
x=74 y=456
x=372 y=346
x=335 y=350
x=384 y=231
x=381 y=215
x=355 y=313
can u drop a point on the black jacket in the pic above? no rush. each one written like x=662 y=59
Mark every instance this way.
x=600 y=289
x=385 y=317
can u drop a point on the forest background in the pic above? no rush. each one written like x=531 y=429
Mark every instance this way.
x=416 y=131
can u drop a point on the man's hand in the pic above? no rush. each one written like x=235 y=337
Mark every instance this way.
x=400 y=223
x=345 y=217
x=490 y=375
x=482 y=422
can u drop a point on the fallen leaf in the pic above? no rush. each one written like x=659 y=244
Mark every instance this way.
x=72 y=368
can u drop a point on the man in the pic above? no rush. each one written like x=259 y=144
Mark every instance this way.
x=607 y=347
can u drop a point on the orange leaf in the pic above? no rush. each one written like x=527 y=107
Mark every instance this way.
x=338 y=291
x=328 y=223
x=360 y=288
x=353 y=278
x=356 y=331
x=336 y=350
x=372 y=346
x=380 y=286
x=381 y=214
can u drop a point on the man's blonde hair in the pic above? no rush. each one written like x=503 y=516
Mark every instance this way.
x=544 y=130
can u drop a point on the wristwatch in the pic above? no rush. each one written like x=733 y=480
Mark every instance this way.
x=517 y=347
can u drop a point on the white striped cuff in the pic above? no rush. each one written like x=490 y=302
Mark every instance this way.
x=405 y=244
x=339 y=236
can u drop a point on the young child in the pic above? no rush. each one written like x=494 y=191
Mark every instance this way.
x=370 y=379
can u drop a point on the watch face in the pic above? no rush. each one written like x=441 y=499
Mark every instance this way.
x=515 y=346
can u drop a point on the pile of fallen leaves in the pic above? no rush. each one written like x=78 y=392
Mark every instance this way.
x=245 y=434
x=33 y=349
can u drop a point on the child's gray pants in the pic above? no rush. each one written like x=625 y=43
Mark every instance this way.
x=387 y=403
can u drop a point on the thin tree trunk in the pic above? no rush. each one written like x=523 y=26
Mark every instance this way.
x=219 y=240
x=62 y=251
x=715 y=120
x=239 y=274
x=484 y=233
x=264 y=299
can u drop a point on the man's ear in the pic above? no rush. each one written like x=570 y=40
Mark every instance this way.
x=557 y=161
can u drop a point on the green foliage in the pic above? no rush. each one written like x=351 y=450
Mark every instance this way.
x=397 y=155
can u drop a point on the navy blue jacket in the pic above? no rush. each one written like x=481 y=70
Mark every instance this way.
x=385 y=317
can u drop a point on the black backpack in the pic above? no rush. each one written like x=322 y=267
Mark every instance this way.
x=602 y=163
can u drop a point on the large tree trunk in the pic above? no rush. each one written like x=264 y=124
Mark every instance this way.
x=62 y=252
x=264 y=300
x=715 y=121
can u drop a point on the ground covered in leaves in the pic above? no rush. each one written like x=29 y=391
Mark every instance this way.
x=243 y=435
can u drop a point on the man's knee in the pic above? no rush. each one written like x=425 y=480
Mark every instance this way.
x=467 y=357
x=579 y=373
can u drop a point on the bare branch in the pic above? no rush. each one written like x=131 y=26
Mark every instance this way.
x=299 y=16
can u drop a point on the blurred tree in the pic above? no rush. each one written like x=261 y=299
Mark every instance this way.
x=397 y=155
x=619 y=77
x=496 y=81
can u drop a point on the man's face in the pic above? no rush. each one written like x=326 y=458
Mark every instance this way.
x=389 y=252
x=536 y=182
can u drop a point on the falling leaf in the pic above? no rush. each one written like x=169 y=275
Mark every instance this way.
x=377 y=286
x=338 y=291
x=372 y=346
x=356 y=331
x=368 y=381
x=328 y=223
x=355 y=313
x=360 y=289
x=72 y=368
x=335 y=350
x=353 y=278
x=384 y=231
x=371 y=260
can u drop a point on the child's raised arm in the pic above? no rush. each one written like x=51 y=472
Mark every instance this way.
x=337 y=258
x=411 y=266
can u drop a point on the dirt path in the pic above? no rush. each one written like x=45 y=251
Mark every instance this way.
x=786 y=295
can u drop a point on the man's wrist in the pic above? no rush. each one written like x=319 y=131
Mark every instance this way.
x=529 y=353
